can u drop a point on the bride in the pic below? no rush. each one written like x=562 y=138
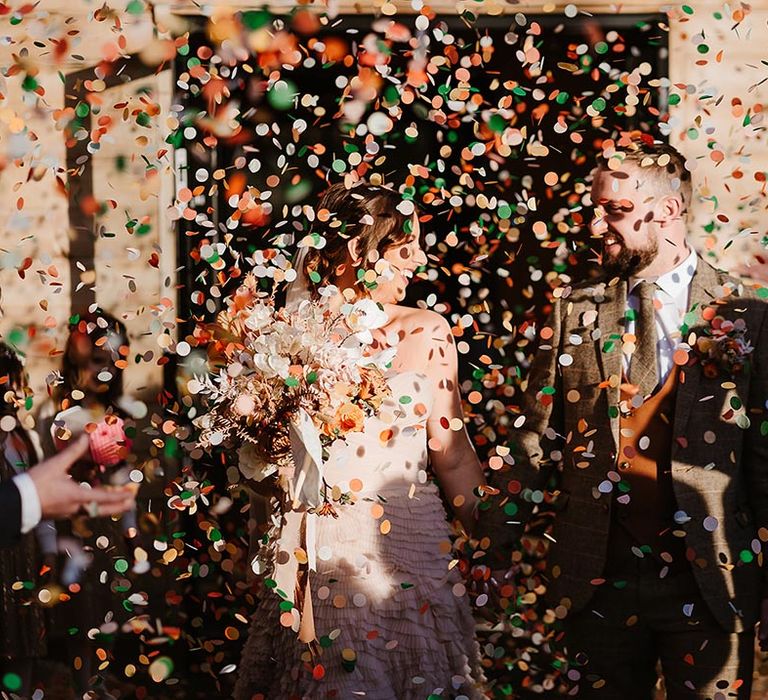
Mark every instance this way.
x=391 y=615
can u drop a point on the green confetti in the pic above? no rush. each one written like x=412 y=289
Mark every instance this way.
x=497 y=123
x=135 y=7
x=12 y=682
x=281 y=95
x=255 y=19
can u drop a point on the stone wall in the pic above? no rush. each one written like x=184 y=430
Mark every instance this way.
x=129 y=269
x=718 y=73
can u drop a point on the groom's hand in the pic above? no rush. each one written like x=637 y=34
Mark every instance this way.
x=482 y=587
x=762 y=630
x=495 y=584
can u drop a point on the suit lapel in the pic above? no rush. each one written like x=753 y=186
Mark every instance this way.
x=703 y=284
x=610 y=320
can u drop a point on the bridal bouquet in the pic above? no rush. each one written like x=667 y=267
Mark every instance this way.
x=290 y=382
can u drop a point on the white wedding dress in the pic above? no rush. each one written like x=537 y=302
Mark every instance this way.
x=392 y=616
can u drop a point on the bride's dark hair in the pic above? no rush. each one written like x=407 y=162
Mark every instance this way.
x=366 y=212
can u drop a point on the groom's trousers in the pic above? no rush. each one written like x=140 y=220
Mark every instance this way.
x=637 y=622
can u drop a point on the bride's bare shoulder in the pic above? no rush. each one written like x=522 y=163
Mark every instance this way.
x=423 y=335
x=414 y=321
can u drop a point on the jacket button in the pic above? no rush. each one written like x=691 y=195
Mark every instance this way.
x=624 y=465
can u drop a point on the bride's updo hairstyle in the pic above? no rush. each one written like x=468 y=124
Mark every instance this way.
x=366 y=212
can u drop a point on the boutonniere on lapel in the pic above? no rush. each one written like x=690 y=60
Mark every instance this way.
x=720 y=345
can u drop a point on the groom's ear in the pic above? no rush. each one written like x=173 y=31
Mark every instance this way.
x=671 y=209
x=353 y=248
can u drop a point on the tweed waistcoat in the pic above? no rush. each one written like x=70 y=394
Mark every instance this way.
x=643 y=514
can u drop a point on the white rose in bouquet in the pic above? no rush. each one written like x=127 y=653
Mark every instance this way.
x=259 y=317
x=364 y=316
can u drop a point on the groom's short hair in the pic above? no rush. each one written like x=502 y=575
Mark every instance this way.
x=662 y=165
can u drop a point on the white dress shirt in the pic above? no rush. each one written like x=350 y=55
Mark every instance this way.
x=673 y=294
x=31 y=512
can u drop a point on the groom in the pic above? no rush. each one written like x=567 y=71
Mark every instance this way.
x=648 y=397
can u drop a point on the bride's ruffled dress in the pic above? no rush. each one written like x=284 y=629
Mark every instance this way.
x=393 y=620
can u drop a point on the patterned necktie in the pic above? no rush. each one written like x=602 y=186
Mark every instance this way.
x=643 y=366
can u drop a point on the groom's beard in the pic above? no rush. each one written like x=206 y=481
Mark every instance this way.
x=629 y=261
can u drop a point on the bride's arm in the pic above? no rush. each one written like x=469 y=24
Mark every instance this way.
x=451 y=452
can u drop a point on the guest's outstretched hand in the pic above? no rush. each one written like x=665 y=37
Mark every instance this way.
x=61 y=496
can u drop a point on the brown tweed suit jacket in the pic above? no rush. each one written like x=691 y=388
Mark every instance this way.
x=719 y=450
